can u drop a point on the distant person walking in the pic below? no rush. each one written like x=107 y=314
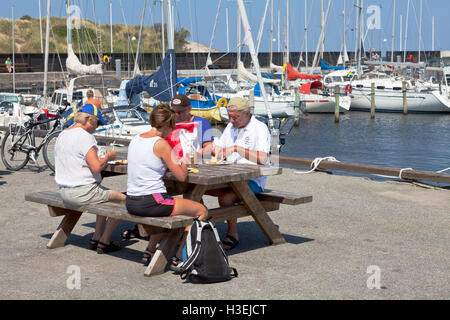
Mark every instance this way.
x=9 y=65
x=92 y=100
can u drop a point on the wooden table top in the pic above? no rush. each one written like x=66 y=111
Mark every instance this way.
x=213 y=174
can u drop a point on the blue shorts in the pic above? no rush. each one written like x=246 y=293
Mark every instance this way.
x=255 y=187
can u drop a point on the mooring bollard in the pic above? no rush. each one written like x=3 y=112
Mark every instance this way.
x=372 y=101
x=405 y=102
x=336 y=105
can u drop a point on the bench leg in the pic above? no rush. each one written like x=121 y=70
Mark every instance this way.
x=162 y=254
x=64 y=229
x=258 y=212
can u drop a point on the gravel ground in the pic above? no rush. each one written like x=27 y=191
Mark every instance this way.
x=358 y=239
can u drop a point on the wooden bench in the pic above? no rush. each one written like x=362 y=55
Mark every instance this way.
x=22 y=66
x=173 y=226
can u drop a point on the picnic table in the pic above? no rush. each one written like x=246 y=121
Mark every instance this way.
x=211 y=177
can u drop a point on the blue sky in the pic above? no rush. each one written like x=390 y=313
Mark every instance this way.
x=198 y=16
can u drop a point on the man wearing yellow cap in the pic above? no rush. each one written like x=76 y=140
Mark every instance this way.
x=245 y=140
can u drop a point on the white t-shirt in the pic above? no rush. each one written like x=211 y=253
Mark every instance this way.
x=71 y=168
x=145 y=170
x=254 y=136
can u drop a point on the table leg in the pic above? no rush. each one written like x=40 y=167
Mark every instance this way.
x=195 y=192
x=163 y=253
x=63 y=231
x=257 y=211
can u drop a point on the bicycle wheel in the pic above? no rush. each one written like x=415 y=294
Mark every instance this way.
x=49 y=150
x=14 y=158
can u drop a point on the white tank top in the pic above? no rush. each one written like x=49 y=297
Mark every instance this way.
x=145 y=169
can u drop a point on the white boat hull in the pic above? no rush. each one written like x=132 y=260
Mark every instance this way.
x=279 y=107
x=392 y=101
x=324 y=104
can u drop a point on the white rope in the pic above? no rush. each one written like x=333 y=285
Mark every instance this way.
x=443 y=170
x=316 y=162
x=401 y=170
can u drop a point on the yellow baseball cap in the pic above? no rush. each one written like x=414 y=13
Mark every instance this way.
x=238 y=104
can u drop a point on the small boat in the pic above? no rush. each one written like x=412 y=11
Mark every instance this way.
x=389 y=95
x=124 y=122
x=317 y=98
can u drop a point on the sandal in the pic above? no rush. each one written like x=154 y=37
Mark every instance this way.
x=130 y=233
x=107 y=248
x=93 y=244
x=176 y=264
x=230 y=241
x=147 y=257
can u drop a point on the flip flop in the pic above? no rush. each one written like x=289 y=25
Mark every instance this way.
x=93 y=244
x=176 y=264
x=107 y=248
x=130 y=233
x=147 y=257
x=230 y=241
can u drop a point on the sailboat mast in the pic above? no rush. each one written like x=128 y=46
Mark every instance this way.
x=420 y=28
x=47 y=40
x=278 y=32
x=163 y=40
x=344 y=49
x=228 y=34
x=110 y=25
x=251 y=46
x=361 y=4
x=40 y=27
x=393 y=33
x=140 y=38
x=406 y=31
x=306 y=33
x=432 y=33
x=13 y=52
x=287 y=31
x=322 y=23
x=271 y=35
x=170 y=35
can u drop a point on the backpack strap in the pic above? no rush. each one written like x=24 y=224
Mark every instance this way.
x=198 y=244
x=233 y=272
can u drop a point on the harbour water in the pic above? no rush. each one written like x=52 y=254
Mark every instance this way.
x=417 y=141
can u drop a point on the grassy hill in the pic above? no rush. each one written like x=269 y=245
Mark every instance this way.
x=27 y=37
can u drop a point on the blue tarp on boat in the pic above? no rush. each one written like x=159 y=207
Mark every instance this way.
x=162 y=85
x=324 y=66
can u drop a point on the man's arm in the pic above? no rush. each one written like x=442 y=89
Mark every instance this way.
x=259 y=157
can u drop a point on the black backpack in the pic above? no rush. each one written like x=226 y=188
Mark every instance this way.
x=206 y=261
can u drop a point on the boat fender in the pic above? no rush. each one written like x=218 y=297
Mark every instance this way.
x=223 y=102
x=348 y=89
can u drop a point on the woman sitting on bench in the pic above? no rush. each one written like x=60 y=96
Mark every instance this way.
x=77 y=173
x=149 y=155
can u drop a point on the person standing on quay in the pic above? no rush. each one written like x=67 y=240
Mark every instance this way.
x=8 y=64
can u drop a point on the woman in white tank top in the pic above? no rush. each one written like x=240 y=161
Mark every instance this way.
x=149 y=155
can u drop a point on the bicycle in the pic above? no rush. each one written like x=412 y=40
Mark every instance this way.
x=19 y=143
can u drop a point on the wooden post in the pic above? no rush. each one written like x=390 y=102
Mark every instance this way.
x=336 y=105
x=297 y=108
x=405 y=102
x=372 y=101
x=251 y=100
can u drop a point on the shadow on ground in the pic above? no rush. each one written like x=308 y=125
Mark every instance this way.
x=251 y=238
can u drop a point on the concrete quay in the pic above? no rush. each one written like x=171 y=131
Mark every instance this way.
x=358 y=239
